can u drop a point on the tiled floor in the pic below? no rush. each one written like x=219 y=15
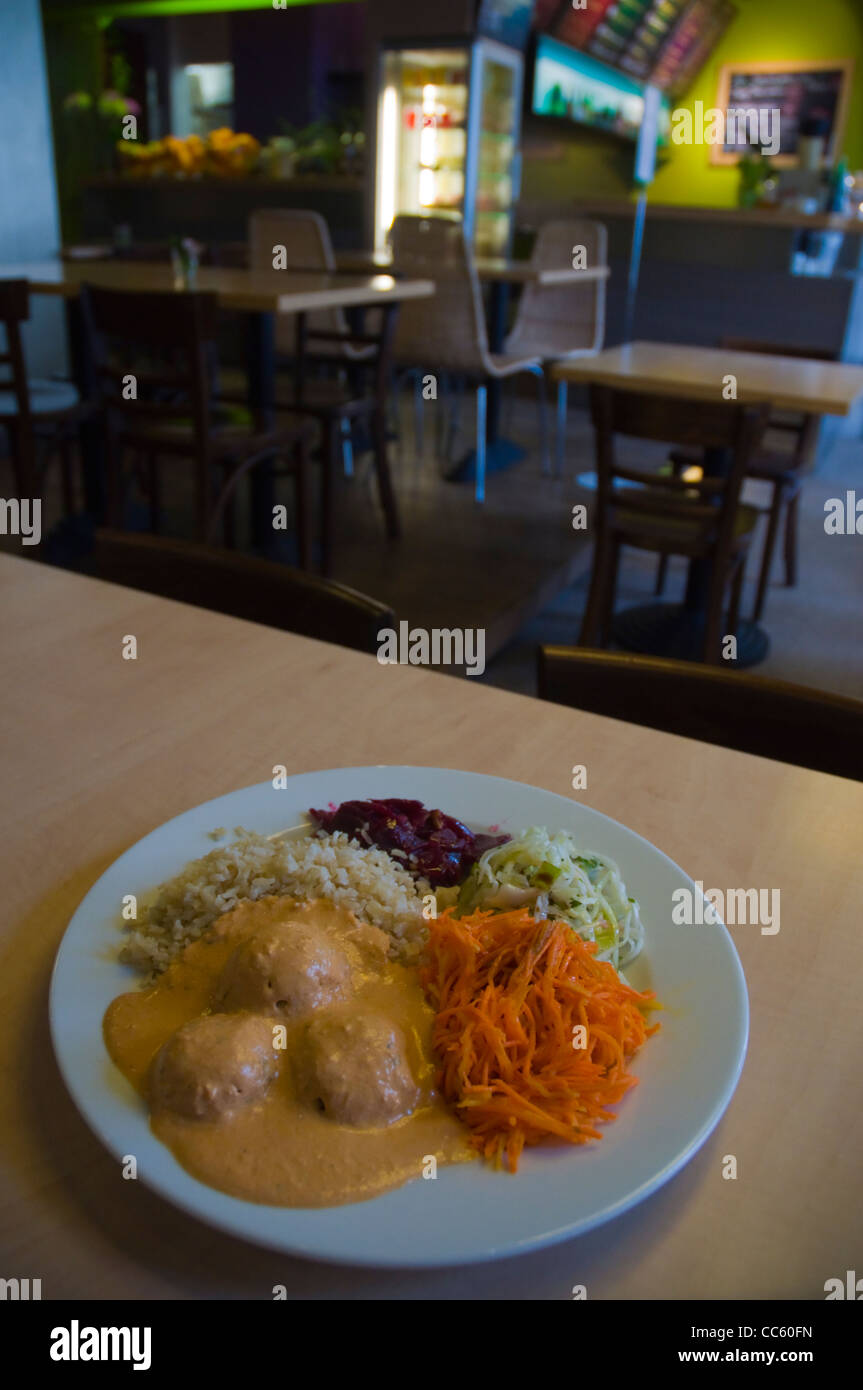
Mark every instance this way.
x=516 y=567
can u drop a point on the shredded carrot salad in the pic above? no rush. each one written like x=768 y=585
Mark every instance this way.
x=532 y=1031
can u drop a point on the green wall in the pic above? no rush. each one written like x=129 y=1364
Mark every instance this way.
x=766 y=31
x=581 y=164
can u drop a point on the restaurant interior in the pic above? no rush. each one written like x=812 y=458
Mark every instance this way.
x=508 y=216
x=460 y=390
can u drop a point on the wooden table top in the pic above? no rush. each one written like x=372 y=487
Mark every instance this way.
x=277 y=291
x=104 y=750
x=489 y=268
x=679 y=369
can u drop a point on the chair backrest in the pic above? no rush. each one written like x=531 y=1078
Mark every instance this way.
x=448 y=328
x=773 y=719
x=165 y=341
x=15 y=310
x=306 y=239
x=563 y=320
x=804 y=428
x=711 y=501
x=238 y=585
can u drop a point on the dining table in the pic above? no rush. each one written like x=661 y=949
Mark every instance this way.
x=807 y=386
x=257 y=295
x=106 y=749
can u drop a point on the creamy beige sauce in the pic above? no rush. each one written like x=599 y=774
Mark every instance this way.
x=281 y=1147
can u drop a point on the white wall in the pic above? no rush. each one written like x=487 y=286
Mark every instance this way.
x=29 y=223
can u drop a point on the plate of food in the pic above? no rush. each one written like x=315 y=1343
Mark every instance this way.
x=397 y=1016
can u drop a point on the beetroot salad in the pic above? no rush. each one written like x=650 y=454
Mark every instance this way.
x=430 y=844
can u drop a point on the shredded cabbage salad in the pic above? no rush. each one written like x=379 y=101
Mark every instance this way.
x=547 y=873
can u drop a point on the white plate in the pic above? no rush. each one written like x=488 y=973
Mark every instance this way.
x=688 y=1071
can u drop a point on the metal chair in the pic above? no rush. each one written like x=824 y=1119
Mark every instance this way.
x=555 y=322
x=447 y=332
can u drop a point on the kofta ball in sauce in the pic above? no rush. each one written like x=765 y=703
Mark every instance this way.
x=213 y=1066
x=355 y=1065
x=287 y=1060
x=287 y=970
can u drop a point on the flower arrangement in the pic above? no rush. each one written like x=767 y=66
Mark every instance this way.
x=223 y=154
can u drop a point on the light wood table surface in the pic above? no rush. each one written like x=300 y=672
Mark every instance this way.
x=100 y=750
x=489 y=268
x=680 y=369
x=247 y=291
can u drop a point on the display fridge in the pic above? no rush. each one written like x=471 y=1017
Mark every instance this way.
x=448 y=128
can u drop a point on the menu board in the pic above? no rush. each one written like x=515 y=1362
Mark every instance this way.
x=663 y=42
x=801 y=92
x=690 y=43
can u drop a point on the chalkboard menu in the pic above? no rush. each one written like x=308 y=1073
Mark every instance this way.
x=803 y=93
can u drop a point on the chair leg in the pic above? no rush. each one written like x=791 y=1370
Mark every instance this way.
x=347 y=448
x=661 y=575
x=769 y=547
x=67 y=473
x=454 y=422
x=481 y=403
x=791 y=517
x=736 y=593
x=712 y=652
x=203 y=499
x=303 y=498
x=610 y=590
x=591 y=623
x=560 y=429
x=229 y=519
x=542 y=405
x=327 y=496
x=113 y=467
x=384 y=477
x=154 y=492
x=419 y=420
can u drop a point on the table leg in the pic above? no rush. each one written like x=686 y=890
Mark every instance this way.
x=261 y=396
x=91 y=433
x=676 y=630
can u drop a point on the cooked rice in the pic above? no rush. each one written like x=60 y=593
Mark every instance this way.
x=365 y=880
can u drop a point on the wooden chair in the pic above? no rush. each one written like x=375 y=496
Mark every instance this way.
x=241 y=586
x=354 y=392
x=783 y=469
x=40 y=416
x=154 y=355
x=665 y=514
x=773 y=719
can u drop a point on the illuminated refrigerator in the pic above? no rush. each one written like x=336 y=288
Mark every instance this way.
x=448 y=129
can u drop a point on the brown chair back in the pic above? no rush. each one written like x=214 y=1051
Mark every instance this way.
x=712 y=501
x=15 y=310
x=240 y=586
x=167 y=343
x=773 y=719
